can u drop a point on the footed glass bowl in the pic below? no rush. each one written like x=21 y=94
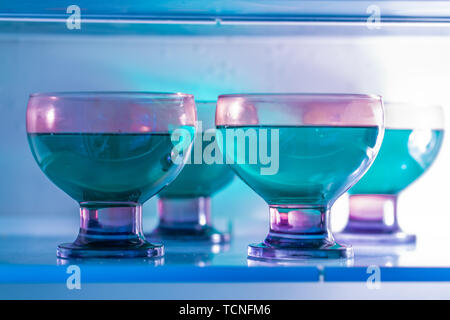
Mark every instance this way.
x=110 y=152
x=299 y=152
x=412 y=140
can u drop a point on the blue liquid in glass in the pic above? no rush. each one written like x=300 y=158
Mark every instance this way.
x=105 y=166
x=316 y=163
x=198 y=180
x=403 y=157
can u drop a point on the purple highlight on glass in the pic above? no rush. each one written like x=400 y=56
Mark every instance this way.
x=111 y=152
x=109 y=112
x=109 y=228
x=184 y=213
x=326 y=143
x=373 y=219
x=299 y=227
x=187 y=219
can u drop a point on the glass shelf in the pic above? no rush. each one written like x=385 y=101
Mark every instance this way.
x=233 y=10
x=31 y=259
x=231 y=17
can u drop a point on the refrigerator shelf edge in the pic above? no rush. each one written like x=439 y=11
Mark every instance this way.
x=231 y=11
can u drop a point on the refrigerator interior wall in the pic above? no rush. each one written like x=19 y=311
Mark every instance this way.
x=401 y=67
x=400 y=62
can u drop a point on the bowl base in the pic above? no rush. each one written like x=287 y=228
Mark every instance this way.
x=263 y=251
x=143 y=250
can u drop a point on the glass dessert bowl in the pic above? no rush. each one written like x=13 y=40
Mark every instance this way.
x=299 y=152
x=184 y=206
x=412 y=140
x=110 y=152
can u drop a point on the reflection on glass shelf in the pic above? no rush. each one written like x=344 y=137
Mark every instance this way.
x=33 y=250
x=25 y=260
x=319 y=263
